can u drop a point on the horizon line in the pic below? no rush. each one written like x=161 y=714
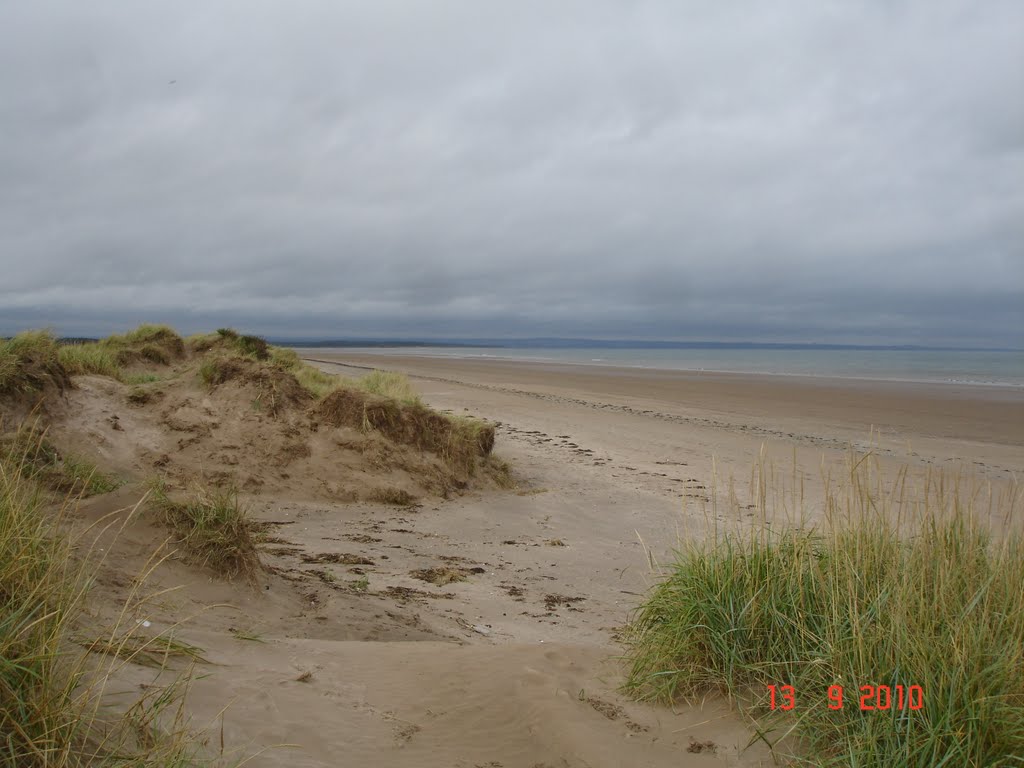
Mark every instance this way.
x=585 y=342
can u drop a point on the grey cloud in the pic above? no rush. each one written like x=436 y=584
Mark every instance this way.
x=805 y=172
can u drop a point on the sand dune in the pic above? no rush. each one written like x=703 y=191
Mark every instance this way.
x=482 y=629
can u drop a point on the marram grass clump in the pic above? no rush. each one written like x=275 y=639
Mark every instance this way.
x=41 y=593
x=112 y=357
x=901 y=587
x=212 y=529
x=58 y=707
x=30 y=364
x=59 y=471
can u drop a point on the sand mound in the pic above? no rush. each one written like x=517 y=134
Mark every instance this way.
x=162 y=346
x=275 y=388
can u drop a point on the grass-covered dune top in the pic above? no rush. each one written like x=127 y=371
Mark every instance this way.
x=242 y=379
x=902 y=587
x=117 y=355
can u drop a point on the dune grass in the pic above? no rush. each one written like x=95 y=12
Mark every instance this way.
x=158 y=344
x=315 y=381
x=59 y=471
x=41 y=596
x=29 y=362
x=90 y=358
x=52 y=693
x=901 y=586
x=212 y=529
x=388 y=384
x=112 y=356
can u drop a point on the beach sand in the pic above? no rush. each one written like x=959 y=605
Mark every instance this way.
x=516 y=664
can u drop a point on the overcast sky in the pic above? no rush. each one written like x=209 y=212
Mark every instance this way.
x=784 y=171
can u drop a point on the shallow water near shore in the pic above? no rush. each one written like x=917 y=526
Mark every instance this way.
x=985 y=368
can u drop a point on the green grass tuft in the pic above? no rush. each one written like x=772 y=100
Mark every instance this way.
x=29 y=362
x=156 y=344
x=903 y=586
x=253 y=346
x=90 y=358
x=212 y=529
x=316 y=381
x=388 y=384
x=41 y=596
x=50 y=468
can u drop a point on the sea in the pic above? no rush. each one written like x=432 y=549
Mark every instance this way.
x=964 y=367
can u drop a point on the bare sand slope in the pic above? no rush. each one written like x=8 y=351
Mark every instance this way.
x=512 y=666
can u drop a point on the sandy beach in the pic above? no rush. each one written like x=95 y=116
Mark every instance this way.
x=630 y=416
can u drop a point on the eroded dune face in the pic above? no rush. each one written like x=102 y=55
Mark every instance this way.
x=257 y=430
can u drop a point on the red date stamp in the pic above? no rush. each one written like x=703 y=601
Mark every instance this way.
x=868 y=697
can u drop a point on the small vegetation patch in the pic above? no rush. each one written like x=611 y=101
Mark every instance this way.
x=397 y=496
x=40 y=462
x=213 y=530
x=439 y=576
x=139 y=396
x=90 y=358
x=40 y=600
x=338 y=558
x=390 y=384
x=253 y=346
x=499 y=470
